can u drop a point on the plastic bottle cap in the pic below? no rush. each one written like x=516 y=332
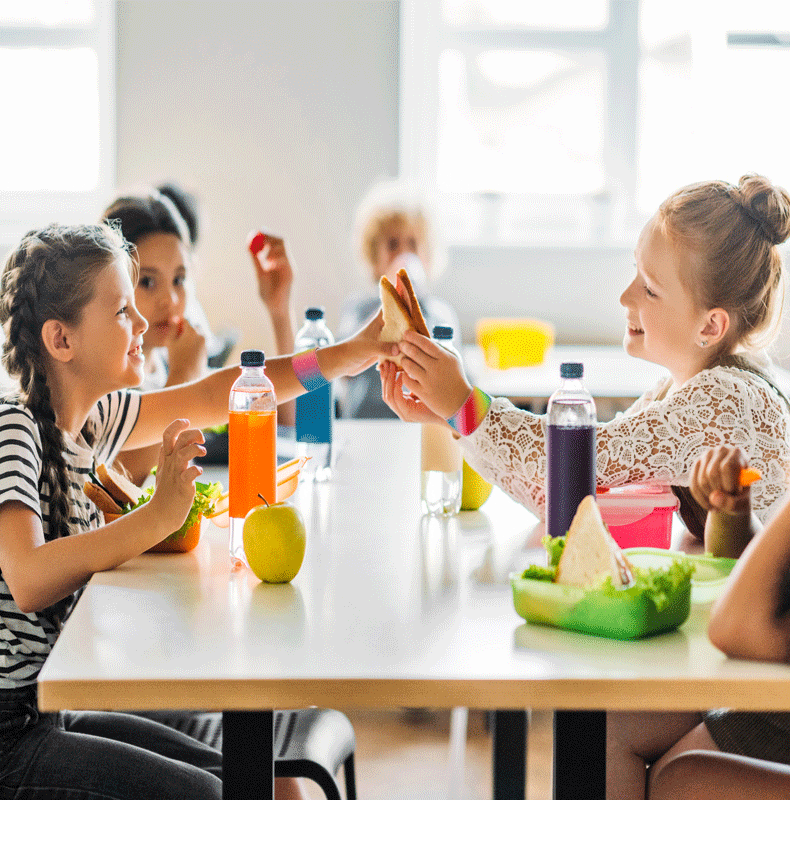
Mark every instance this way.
x=442 y=331
x=571 y=370
x=252 y=358
x=314 y=313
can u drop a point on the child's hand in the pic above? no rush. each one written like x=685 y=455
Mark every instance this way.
x=433 y=374
x=273 y=270
x=186 y=353
x=175 y=476
x=716 y=483
x=363 y=349
x=406 y=406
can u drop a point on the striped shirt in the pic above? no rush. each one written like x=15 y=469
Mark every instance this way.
x=27 y=638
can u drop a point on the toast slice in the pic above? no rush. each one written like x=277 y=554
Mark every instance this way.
x=100 y=498
x=121 y=489
x=591 y=553
x=400 y=315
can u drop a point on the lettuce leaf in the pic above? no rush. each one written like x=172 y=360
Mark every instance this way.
x=554 y=547
x=205 y=495
x=658 y=584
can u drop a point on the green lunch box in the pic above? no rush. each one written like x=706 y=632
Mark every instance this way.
x=623 y=614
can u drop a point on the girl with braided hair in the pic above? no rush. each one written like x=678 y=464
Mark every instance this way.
x=74 y=343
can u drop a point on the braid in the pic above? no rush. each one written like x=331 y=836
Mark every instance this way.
x=50 y=276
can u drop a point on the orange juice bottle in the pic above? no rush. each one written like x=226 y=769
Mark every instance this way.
x=252 y=445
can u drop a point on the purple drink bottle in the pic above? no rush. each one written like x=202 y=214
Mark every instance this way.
x=570 y=449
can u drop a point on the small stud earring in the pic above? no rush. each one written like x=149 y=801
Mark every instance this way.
x=703 y=343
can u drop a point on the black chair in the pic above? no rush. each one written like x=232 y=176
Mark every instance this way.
x=311 y=743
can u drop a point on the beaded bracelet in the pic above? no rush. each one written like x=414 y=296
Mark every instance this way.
x=307 y=370
x=471 y=414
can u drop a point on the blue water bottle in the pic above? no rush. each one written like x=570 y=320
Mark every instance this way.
x=315 y=410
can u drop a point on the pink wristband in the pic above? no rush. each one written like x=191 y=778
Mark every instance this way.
x=305 y=366
x=471 y=414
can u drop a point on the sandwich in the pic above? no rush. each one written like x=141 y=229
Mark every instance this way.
x=401 y=311
x=591 y=554
x=115 y=495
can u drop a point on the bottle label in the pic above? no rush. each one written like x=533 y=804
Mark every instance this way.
x=314 y=412
x=440 y=451
x=571 y=474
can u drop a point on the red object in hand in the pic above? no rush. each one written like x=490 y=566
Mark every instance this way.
x=256 y=242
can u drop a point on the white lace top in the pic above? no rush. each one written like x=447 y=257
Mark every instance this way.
x=657 y=439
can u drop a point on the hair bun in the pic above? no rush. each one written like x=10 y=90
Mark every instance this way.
x=767 y=204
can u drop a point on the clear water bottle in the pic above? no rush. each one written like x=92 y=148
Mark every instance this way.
x=570 y=449
x=315 y=410
x=441 y=456
x=252 y=445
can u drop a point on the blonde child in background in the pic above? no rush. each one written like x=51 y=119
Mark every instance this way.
x=74 y=343
x=706 y=295
x=394 y=229
x=721 y=754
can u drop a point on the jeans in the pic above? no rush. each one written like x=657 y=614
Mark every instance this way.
x=99 y=756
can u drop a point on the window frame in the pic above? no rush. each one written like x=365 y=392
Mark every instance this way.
x=21 y=210
x=424 y=35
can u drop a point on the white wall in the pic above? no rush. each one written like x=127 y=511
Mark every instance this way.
x=281 y=114
x=277 y=114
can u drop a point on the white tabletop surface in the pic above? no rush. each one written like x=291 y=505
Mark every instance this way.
x=608 y=372
x=388 y=610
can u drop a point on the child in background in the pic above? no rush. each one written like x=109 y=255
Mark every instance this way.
x=724 y=754
x=393 y=230
x=176 y=349
x=74 y=341
x=707 y=291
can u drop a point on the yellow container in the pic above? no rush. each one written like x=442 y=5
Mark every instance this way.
x=514 y=342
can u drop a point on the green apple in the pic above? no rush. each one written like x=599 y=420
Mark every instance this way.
x=474 y=489
x=274 y=539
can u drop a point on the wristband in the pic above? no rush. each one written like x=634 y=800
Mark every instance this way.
x=471 y=414
x=305 y=365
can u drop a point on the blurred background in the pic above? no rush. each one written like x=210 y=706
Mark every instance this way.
x=545 y=133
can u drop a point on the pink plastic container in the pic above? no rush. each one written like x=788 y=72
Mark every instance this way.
x=639 y=515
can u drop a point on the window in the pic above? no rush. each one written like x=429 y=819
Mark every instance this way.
x=57 y=85
x=570 y=121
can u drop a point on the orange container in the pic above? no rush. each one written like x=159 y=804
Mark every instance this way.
x=252 y=460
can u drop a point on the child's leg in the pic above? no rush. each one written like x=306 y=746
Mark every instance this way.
x=166 y=741
x=707 y=775
x=634 y=740
x=50 y=762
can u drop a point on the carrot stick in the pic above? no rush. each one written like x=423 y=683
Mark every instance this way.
x=749 y=475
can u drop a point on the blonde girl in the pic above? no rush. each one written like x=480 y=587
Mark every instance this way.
x=705 y=297
x=74 y=343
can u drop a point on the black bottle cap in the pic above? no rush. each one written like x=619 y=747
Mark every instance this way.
x=571 y=370
x=442 y=331
x=252 y=358
x=314 y=313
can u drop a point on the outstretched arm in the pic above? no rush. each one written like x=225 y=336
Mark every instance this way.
x=205 y=401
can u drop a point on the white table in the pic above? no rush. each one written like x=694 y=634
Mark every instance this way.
x=389 y=610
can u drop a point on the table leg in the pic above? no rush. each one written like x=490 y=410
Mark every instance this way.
x=579 y=755
x=509 y=739
x=247 y=744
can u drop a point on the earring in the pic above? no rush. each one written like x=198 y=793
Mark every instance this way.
x=703 y=343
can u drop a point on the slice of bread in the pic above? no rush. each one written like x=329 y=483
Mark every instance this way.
x=400 y=315
x=591 y=553
x=121 y=489
x=101 y=499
